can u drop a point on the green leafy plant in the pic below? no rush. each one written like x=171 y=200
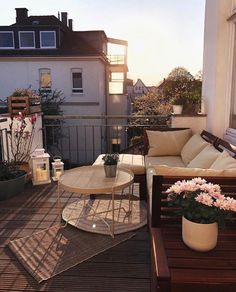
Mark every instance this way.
x=179 y=100
x=51 y=105
x=111 y=159
x=34 y=97
x=9 y=170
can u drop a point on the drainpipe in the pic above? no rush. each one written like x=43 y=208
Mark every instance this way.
x=106 y=101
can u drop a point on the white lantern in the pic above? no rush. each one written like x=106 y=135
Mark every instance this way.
x=57 y=168
x=40 y=167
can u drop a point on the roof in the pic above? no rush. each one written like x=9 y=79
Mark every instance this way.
x=42 y=20
x=72 y=43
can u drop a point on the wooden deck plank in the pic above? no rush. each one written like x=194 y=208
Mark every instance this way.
x=125 y=267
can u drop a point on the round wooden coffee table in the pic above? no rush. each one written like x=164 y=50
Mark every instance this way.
x=88 y=180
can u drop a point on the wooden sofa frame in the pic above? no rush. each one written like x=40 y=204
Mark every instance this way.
x=163 y=217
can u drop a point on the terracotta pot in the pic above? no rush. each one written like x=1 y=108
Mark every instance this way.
x=110 y=170
x=200 y=237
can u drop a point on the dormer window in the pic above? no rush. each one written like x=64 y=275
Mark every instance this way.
x=26 y=39
x=6 y=40
x=48 y=39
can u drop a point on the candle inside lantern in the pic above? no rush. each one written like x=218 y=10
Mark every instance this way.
x=38 y=174
x=58 y=173
x=44 y=175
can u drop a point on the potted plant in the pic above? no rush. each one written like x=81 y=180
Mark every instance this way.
x=20 y=136
x=203 y=208
x=12 y=179
x=177 y=104
x=110 y=164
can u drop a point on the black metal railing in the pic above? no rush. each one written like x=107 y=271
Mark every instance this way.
x=80 y=139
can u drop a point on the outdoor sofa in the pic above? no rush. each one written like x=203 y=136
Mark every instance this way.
x=174 y=267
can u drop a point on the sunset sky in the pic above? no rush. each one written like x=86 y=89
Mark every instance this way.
x=161 y=34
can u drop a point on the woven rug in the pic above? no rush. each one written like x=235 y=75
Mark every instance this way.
x=96 y=215
x=54 y=250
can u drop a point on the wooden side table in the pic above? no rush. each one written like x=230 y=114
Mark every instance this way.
x=88 y=180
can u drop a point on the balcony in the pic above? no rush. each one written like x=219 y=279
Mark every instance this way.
x=78 y=140
x=125 y=267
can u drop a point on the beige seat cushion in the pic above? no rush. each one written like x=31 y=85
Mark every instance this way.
x=192 y=148
x=164 y=160
x=183 y=171
x=167 y=142
x=224 y=161
x=133 y=162
x=205 y=158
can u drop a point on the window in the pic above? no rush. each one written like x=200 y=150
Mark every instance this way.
x=77 y=85
x=116 y=85
x=45 y=80
x=47 y=39
x=6 y=40
x=26 y=39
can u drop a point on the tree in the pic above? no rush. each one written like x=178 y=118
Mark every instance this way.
x=180 y=74
x=180 y=87
x=51 y=102
x=150 y=104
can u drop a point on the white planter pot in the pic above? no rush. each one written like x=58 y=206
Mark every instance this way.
x=200 y=237
x=110 y=170
x=177 y=109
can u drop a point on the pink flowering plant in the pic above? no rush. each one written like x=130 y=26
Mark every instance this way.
x=21 y=135
x=201 y=202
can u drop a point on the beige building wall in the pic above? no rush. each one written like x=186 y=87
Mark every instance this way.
x=219 y=40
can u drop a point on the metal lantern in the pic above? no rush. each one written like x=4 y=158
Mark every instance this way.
x=57 y=168
x=40 y=167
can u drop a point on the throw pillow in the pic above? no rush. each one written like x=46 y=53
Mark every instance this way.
x=224 y=161
x=167 y=142
x=205 y=158
x=192 y=148
x=182 y=171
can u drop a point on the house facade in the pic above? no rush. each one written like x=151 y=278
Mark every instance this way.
x=219 y=75
x=44 y=52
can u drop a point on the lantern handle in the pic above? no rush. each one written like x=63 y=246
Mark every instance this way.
x=56 y=157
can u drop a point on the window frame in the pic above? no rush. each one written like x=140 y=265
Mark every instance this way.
x=40 y=37
x=12 y=33
x=77 y=90
x=49 y=88
x=26 y=31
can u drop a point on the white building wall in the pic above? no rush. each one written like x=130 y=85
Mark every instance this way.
x=218 y=64
x=24 y=74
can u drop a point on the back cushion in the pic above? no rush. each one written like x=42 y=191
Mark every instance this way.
x=205 y=158
x=183 y=171
x=192 y=148
x=167 y=142
x=224 y=161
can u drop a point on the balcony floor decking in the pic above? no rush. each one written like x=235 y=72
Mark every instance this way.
x=125 y=267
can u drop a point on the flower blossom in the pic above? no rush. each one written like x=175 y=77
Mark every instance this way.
x=191 y=194
x=205 y=199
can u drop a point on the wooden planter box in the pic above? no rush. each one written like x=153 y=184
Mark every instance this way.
x=22 y=104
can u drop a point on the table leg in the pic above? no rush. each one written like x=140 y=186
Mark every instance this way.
x=59 y=202
x=113 y=210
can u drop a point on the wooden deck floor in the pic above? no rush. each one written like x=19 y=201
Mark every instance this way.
x=125 y=267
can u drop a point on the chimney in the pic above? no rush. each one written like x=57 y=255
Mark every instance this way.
x=64 y=18
x=71 y=24
x=21 y=14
